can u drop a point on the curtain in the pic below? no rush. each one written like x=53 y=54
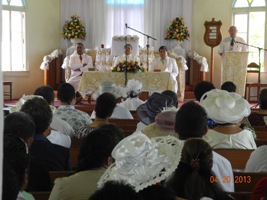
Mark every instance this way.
x=104 y=20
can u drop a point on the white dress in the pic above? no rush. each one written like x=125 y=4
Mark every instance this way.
x=76 y=63
x=132 y=103
x=241 y=140
x=169 y=65
x=119 y=112
x=257 y=161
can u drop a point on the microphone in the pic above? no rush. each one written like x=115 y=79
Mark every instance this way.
x=126 y=25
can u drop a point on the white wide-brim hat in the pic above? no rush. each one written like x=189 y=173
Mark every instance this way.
x=133 y=85
x=225 y=107
x=110 y=87
x=142 y=162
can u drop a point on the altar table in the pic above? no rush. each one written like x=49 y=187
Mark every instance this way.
x=152 y=81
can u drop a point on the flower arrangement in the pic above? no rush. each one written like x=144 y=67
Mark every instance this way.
x=131 y=66
x=177 y=30
x=73 y=28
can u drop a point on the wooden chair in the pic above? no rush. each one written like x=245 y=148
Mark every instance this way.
x=255 y=69
x=237 y=157
x=245 y=181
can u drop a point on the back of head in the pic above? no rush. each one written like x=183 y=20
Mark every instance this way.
x=40 y=111
x=46 y=92
x=157 y=192
x=192 y=177
x=97 y=147
x=116 y=190
x=201 y=88
x=191 y=121
x=228 y=86
x=105 y=105
x=66 y=93
x=20 y=124
x=16 y=156
x=263 y=99
x=172 y=95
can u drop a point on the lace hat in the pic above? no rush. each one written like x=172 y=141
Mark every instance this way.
x=225 y=107
x=110 y=87
x=163 y=125
x=142 y=162
x=155 y=104
x=134 y=85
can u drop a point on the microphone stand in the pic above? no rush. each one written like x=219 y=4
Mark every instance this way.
x=147 y=46
x=259 y=49
x=126 y=61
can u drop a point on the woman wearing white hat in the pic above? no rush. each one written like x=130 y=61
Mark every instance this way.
x=227 y=110
x=133 y=90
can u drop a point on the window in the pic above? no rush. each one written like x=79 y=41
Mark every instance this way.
x=13 y=35
x=249 y=17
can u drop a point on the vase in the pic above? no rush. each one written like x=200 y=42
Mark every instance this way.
x=178 y=44
x=74 y=41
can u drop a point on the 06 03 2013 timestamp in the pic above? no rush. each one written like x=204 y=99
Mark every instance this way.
x=227 y=179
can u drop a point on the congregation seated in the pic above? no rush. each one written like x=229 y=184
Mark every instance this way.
x=227 y=110
x=61 y=131
x=15 y=168
x=104 y=108
x=257 y=161
x=192 y=178
x=118 y=190
x=163 y=125
x=133 y=90
x=119 y=111
x=191 y=122
x=93 y=159
x=229 y=86
x=260 y=118
x=154 y=105
x=66 y=110
x=142 y=162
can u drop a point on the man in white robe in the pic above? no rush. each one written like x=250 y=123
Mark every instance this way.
x=127 y=55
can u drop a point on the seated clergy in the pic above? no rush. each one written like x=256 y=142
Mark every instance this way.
x=126 y=56
x=165 y=64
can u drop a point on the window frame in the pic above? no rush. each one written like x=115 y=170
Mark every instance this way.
x=247 y=11
x=21 y=9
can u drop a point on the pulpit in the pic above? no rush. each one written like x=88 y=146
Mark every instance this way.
x=234 y=68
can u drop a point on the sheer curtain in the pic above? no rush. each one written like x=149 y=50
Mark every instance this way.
x=104 y=20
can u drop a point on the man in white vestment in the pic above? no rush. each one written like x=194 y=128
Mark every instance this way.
x=231 y=43
x=165 y=64
x=127 y=55
x=79 y=62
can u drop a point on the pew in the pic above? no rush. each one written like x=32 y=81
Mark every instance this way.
x=41 y=195
x=246 y=181
x=262 y=135
x=240 y=195
x=237 y=157
x=59 y=174
x=260 y=142
x=74 y=151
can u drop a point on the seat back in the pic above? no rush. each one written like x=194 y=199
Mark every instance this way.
x=254 y=68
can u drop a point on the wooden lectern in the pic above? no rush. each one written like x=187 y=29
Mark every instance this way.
x=234 y=68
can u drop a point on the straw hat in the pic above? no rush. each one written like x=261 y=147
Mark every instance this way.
x=142 y=162
x=225 y=107
x=163 y=125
